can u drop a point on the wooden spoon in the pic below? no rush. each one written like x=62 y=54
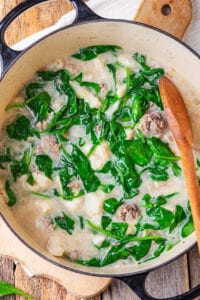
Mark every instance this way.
x=179 y=123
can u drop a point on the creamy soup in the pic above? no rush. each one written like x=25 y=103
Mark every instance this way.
x=91 y=169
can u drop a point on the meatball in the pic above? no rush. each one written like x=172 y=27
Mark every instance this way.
x=128 y=212
x=152 y=123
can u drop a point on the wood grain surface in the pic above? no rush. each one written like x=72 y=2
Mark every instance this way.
x=170 y=280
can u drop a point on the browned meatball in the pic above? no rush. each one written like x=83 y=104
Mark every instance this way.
x=152 y=123
x=128 y=212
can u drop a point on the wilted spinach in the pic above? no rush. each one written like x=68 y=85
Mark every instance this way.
x=40 y=105
x=22 y=166
x=11 y=196
x=93 y=51
x=20 y=129
x=45 y=164
x=65 y=222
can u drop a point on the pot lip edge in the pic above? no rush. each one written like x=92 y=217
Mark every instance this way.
x=162 y=32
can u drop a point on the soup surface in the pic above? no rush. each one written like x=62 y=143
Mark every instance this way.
x=91 y=169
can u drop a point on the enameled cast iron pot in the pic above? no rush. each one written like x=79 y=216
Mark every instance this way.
x=90 y=29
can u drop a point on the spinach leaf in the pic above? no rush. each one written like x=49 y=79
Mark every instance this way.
x=40 y=105
x=105 y=221
x=65 y=222
x=91 y=85
x=6 y=157
x=87 y=175
x=161 y=216
x=111 y=205
x=20 y=129
x=188 y=228
x=91 y=52
x=14 y=105
x=107 y=188
x=123 y=239
x=21 y=167
x=112 y=69
x=93 y=262
x=9 y=289
x=48 y=75
x=114 y=254
x=105 y=244
x=45 y=164
x=158 y=173
x=11 y=196
x=141 y=249
x=161 y=150
x=161 y=247
x=138 y=107
x=41 y=195
x=119 y=228
x=56 y=117
x=138 y=151
x=179 y=216
x=141 y=60
x=33 y=89
x=81 y=220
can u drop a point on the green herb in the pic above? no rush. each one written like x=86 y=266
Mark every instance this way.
x=81 y=220
x=9 y=289
x=21 y=167
x=87 y=175
x=123 y=240
x=188 y=228
x=112 y=69
x=92 y=85
x=45 y=164
x=119 y=228
x=105 y=244
x=107 y=188
x=20 y=129
x=111 y=205
x=65 y=222
x=162 y=216
x=139 y=106
x=41 y=195
x=161 y=150
x=6 y=157
x=179 y=216
x=40 y=105
x=93 y=51
x=141 y=249
x=14 y=105
x=105 y=221
x=11 y=196
x=33 y=89
x=49 y=75
x=138 y=152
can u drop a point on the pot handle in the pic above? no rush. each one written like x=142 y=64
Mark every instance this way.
x=83 y=12
x=137 y=284
x=8 y=55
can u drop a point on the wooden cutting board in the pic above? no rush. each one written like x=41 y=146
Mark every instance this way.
x=159 y=13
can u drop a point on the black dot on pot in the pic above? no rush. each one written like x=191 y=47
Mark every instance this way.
x=166 y=10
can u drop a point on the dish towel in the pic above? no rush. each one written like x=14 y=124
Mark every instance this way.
x=118 y=9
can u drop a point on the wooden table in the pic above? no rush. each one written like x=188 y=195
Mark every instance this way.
x=175 y=278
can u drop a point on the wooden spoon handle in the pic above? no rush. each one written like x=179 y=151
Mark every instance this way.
x=193 y=188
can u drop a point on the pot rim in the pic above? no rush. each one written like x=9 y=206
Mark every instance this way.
x=4 y=72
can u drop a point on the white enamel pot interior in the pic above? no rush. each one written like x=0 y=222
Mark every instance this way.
x=179 y=61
